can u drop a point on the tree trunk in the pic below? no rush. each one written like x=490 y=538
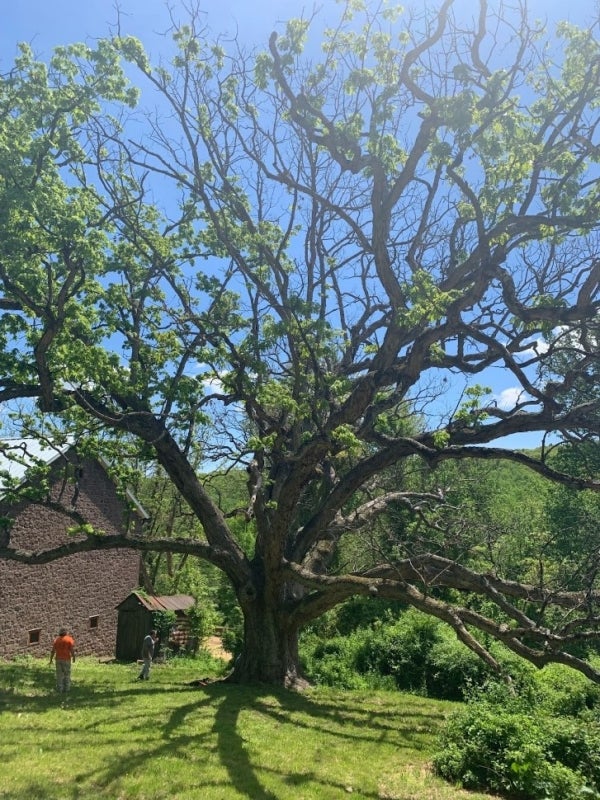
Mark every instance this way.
x=270 y=650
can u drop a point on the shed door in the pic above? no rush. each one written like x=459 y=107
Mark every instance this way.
x=131 y=629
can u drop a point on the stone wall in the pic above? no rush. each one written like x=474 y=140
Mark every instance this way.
x=80 y=591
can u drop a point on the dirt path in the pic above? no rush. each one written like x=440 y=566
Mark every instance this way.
x=214 y=645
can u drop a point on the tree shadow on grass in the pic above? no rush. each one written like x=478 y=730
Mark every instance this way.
x=26 y=685
x=31 y=687
x=341 y=720
x=227 y=702
x=37 y=692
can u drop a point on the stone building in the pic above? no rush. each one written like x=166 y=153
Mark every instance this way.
x=81 y=591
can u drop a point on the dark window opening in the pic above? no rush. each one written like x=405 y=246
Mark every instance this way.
x=34 y=636
x=94 y=622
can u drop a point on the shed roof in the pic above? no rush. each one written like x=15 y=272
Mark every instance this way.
x=169 y=602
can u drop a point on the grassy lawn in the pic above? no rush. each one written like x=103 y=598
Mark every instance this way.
x=120 y=739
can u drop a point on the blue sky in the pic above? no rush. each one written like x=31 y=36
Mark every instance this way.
x=47 y=23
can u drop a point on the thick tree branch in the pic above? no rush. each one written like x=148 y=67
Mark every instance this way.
x=550 y=646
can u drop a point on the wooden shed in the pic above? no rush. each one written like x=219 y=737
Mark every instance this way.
x=136 y=619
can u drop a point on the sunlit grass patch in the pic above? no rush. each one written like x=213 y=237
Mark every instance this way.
x=120 y=739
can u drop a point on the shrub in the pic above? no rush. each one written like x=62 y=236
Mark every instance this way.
x=233 y=632
x=363 y=612
x=504 y=747
x=333 y=662
x=453 y=669
x=575 y=743
x=564 y=692
x=163 y=621
x=203 y=619
x=414 y=653
x=400 y=650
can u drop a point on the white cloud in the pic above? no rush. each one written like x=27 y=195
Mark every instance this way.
x=213 y=384
x=536 y=348
x=508 y=398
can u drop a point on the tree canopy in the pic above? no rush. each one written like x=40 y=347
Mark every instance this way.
x=287 y=262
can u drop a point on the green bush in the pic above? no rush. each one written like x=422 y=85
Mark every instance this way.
x=363 y=612
x=453 y=669
x=575 y=743
x=163 y=621
x=414 y=653
x=332 y=662
x=400 y=650
x=504 y=744
x=564 y=692
x=203 y=619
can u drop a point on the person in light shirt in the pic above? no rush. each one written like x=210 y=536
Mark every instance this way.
x=150 y=641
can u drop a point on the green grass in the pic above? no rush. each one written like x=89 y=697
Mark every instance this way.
x=120 y=739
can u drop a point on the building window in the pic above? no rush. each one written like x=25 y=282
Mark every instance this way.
x=34 y=636
x=94 y=622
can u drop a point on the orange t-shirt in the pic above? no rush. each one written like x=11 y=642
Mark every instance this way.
x=63 y=647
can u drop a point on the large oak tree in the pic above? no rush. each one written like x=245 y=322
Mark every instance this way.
x=288 y=262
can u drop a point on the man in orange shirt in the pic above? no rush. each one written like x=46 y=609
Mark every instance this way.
x=64 y=650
